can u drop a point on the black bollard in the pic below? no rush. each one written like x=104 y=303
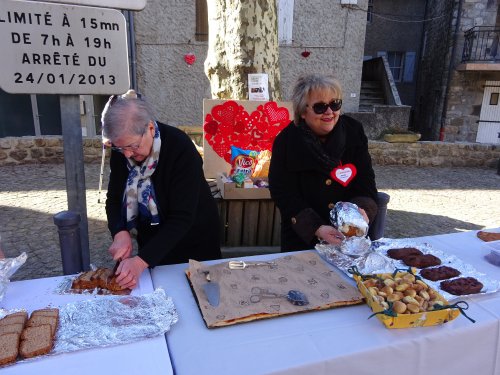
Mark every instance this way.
x=68 y=226
x=377 y=228
x=498 y=167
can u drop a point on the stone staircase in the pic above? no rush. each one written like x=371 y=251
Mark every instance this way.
x=371 y=93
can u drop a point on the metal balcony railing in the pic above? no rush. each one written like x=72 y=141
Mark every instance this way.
x=481 y=44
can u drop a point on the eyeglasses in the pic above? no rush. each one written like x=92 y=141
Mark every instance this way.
x=133 y=147
x=320 y=108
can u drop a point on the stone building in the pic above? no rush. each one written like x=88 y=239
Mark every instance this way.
x=166 y=31
x=445 y=93
x=394 y=29
x=459 y=79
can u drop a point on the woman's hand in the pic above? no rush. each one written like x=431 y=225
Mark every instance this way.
x=329 y=234
x=129 y=271
x=121 y=248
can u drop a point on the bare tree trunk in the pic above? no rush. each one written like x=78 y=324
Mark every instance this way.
x=243 y=39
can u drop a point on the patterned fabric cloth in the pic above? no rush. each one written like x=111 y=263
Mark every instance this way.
x=139 y=198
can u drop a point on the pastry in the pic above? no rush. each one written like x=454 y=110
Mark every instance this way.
x=400 y=253
x=421 y=261
x=488 y=236
x=462 y=286
x=439 y=273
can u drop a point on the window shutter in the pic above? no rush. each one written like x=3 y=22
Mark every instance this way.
x=285 y=21
x=201 y=21
x=409 y=67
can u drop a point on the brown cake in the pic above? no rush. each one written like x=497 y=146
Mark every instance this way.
x=462 y=286
x=400 y=253
x=422 y=261
x=100 y=278
x=439 y=273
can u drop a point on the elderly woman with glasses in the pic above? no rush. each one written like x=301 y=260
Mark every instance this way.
x=156 y=187
x=319 y=159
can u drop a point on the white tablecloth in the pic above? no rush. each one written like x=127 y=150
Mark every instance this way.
x=341 y=340
x=148 y=356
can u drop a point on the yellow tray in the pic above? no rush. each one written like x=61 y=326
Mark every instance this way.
x=421 y=319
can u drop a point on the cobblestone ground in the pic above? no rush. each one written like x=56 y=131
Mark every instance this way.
x=424 y=201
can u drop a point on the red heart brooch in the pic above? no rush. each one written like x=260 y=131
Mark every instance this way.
x=343 y=174
x=229 y=124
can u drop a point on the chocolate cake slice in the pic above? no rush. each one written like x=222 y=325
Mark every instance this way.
x=439 y=273
x=462 y=286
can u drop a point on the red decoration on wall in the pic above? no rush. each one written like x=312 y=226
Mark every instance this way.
x=190 y=58
x=229 y=124
x=305 y=53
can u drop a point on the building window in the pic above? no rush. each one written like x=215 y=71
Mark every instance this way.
x=395 y=60
x=369 y=13
x=29 y=115
x=494 y=98
x=201 y=21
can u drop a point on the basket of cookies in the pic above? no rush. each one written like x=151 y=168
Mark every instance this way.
x=402 y=300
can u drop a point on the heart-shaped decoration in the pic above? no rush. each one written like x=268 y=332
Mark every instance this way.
x=305 y=53
x=229 y=124
x=211 y=127
x=344 y=174
x=190 y=58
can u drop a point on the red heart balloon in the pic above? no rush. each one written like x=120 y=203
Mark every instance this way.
x=190 y=58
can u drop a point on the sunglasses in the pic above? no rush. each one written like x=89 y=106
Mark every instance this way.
x=320 y=108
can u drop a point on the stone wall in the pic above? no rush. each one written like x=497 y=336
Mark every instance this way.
x=34 y=150
x=26 y=150
x=435 y=154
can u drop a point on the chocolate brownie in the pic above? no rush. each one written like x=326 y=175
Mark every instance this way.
x=421 y=261
x=439 y=273
x=400 y=253
x=462 y=286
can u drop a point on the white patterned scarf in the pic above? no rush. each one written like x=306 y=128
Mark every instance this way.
x=139 y=198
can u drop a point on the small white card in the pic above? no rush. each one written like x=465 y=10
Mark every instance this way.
x=258 y=86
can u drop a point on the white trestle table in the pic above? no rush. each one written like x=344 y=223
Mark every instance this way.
x=340 y=340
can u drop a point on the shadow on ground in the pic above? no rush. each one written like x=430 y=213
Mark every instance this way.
x=403 y=224
x=35 y=233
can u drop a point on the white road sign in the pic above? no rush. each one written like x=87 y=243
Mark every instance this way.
x=117 y=4
x=62 y=49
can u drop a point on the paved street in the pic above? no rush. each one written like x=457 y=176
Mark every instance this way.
x=424 y=201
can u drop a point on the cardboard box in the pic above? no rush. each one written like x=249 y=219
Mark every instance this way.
x=228 y=190
x=249 y=125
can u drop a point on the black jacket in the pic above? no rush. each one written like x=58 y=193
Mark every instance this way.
x=304 y=192
x=189 y=219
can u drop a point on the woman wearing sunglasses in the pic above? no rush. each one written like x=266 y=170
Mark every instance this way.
x=157 y=187
x=319 y=159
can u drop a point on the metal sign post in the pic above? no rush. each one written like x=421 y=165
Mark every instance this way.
x=71 y=50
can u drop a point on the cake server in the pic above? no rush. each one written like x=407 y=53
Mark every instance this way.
x=212 y=290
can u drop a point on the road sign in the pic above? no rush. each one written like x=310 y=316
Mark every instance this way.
x=117 y=4
x=62 y=49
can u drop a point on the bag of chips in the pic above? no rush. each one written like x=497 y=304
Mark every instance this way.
x=263 y=162
x=243 y=161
